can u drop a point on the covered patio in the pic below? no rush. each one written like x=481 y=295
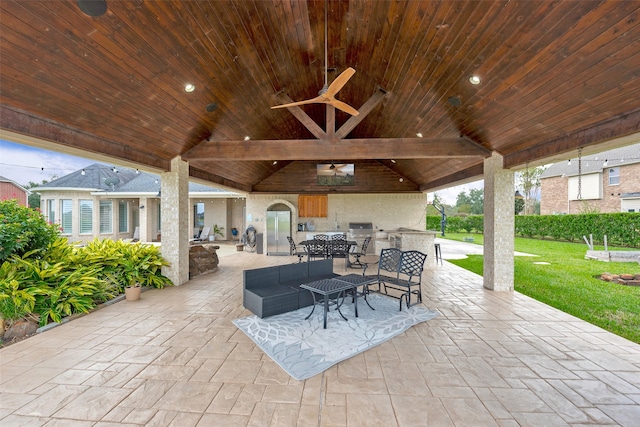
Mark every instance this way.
x=174 y=358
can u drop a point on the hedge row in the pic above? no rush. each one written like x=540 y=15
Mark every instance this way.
x=621 y=229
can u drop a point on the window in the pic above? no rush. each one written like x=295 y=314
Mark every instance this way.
x=66 y=220
x=51 y=211
x=198 y=215
x=86 y=216
x=614 y=176
x=106 y=216
x=123 y=217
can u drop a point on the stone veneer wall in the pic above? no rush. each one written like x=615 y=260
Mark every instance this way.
x=385 y=211
x=499 y=200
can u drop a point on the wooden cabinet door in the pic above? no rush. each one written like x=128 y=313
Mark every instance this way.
x=313 y=206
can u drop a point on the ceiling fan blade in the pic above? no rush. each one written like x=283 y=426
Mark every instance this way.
x=293 y=104
x=340 y=81
x=344 y=107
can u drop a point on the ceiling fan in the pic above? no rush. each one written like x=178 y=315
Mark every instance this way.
x=326 y=95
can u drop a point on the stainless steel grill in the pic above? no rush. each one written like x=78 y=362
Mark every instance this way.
x=359 y=231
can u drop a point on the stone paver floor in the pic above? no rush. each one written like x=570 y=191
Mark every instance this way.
x=174 y=358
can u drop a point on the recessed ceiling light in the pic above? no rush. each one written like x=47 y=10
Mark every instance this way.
x=275 y=162
x=246 y=138
x=189 y=87
x=401 y=179
x=475 y=80
x=393 y=161
x=93 y=8
x=419 y=135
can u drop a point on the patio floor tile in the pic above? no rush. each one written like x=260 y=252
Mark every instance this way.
x=174 y=358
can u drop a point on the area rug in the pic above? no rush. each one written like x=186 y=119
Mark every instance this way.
x=304 y=349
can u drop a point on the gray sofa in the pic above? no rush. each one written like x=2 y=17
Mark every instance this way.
x=274 y=290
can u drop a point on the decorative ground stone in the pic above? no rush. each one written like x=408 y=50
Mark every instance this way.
x=622 y=279
x=202 y=259
x=20 y=329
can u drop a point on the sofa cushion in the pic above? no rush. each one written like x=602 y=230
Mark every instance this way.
x=294 y=274
x=261 y=277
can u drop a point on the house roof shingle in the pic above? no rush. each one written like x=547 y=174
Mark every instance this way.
x=99 y=177
x=595 y=163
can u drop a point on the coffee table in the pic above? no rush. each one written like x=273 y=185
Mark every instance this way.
x=327 y=287
x=356 y=281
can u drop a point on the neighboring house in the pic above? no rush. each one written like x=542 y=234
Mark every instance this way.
x=12 y=190
x=607 y=182
x=110 y=203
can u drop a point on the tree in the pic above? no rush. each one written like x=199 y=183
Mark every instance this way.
x=34 y=198
x=463 y=203
x=529 y=181
x=476 y=199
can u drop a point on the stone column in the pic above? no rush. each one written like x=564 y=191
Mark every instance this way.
x=499 y=200
x=146 y=234
x=175 y=221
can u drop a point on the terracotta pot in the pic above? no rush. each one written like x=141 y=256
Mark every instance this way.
x=132 y=293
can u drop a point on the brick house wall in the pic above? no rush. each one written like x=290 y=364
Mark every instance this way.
x=9 y=191
x=554 y=192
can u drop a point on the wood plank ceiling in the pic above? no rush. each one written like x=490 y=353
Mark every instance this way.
x=555 y=76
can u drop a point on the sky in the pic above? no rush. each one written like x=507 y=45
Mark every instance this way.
x=24 y=164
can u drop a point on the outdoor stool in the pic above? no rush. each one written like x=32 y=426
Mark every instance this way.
x=438 y=253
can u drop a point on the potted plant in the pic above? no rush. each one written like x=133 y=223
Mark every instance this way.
x=217 y=231
x=131 y=276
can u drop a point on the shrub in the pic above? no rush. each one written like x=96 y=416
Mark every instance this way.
x=62 y=280
x=121 y=262
x=23 y=229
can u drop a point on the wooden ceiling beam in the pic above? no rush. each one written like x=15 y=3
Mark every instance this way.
x=22 y=122
x=464 y=175
x=366 y=108
x=348 y=149
x=605 y=131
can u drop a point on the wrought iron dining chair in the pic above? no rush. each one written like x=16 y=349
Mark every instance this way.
x=359 y=253
x=294 y=251
x=339 y=248
x=316 y=249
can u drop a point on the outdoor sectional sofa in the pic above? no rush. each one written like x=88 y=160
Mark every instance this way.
x=274 y=290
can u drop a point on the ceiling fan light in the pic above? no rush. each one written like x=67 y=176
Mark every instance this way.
x=475 y=80
x=246 y=138
x=419 y=135
x=189 y=87
x=393 y=161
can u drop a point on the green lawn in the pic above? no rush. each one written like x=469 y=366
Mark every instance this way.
x=569 y=283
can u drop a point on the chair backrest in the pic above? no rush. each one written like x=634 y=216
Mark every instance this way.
x=389 y=260
x=412 y=263
x=320 y=237
x=292 y=244
x=408 y=263
x=204 y=234
x=365 y=244
x=338 y=237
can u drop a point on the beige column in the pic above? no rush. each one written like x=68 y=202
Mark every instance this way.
x=175 y=221
x=146 y=233
x=499 y=200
